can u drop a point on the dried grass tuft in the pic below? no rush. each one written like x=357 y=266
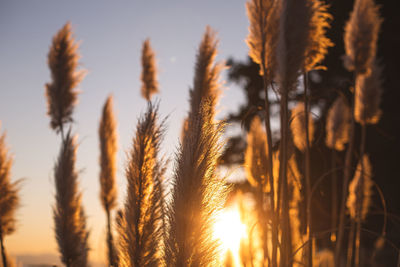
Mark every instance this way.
x=361 y=36
x=9 y=199
x=140 y=223
x=318 y=43
x=263 y=33
x=61 y=92
x=298 y=125
x=68 y=213
x=108 y=152
x=338 y=124
x=149 y=71
x=360 y=190
x=256 y=156
x=368 y=96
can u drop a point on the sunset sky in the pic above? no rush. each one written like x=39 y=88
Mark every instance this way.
x=111 y=34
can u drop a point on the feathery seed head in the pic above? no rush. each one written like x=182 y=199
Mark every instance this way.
x=61 y=92
x=197 y=195
x=293 y=41
x=149 y=71
x=140 y=225
x=360 y=190
x=69 y=216
x=206 y=84
x=368 y=96
x=338 y=124
x=108 y=150
x=9 y=199
x=361 y=36
x=256 y=156
x=318 y=43
x=298 y=124
x=263 y=32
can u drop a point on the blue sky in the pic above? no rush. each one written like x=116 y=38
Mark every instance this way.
x=111 y=34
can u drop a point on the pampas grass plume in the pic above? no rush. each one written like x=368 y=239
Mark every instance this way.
x=263 y=32
x=149 y=71
x=368 y=96
x=9 y=199
x=68 y=213
x=297 y=126
x=256 y=156
x=140 y=224
x=206 y=84
x=361 y=36
x=318 y=43
x=338 y=124
x=108 y=150
x=293 y=40
x=61 y=92
x=360 y=190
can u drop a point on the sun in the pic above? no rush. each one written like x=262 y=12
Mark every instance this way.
x=230 y=230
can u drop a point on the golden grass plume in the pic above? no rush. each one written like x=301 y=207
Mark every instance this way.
x=198 y=193
x=318 y=43
x=9 y=199
x=149 y=71
x=360 y=190
x=61 y=92
x=263 y=32
x=206 y=84
x=140 y=224
x=338 y=124
x=68 y=212
x=361 y=36
x=108 y=153
x=256 y=155
x=368 y=95
x=298 y=124
x=293 y=40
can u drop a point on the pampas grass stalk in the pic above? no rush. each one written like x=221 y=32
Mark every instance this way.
x=262 y=45
x=141 y=221
x=108 y=168
x=361 y=36
x=9 y=199
x=198 y=193
x=68 y=213
x=61 y=92
x=149 y=71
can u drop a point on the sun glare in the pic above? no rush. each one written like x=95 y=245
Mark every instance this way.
x=230 y=230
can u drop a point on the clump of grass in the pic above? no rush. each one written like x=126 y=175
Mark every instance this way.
x=9 y=199
x=140 y=224
x=68 y=213
x=108 y=167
